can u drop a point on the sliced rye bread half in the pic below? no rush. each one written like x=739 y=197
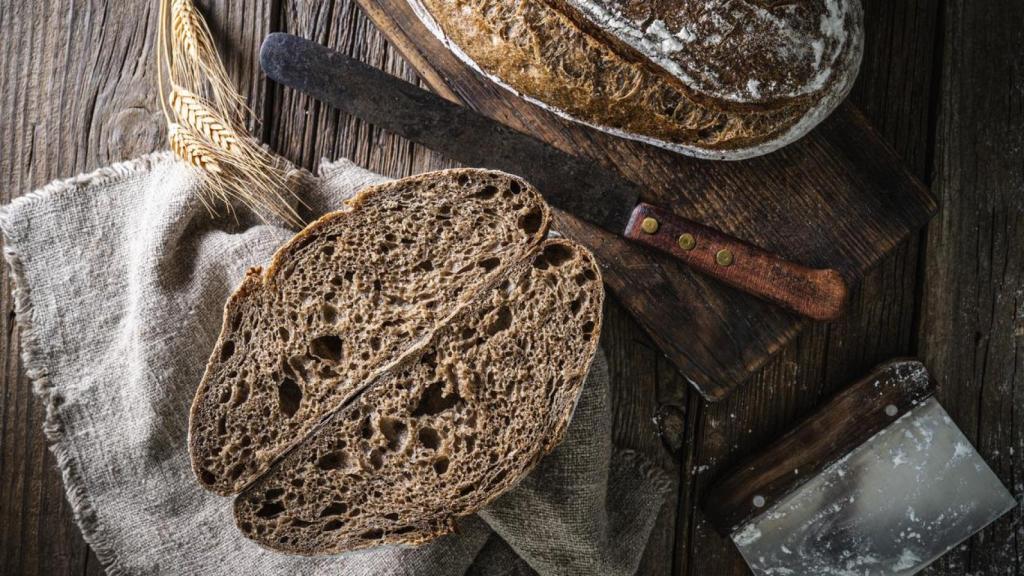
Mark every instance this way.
x=349 y=296
x=444 y=432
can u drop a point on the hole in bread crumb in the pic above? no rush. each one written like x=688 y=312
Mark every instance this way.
x=328 y=251
x=557 y=254
x=489 y=264
x=515 y=187
x=270 y=510
x=227 y=350
x=375 y=534
x=497 y=479
x=531 y=221
x=441 y=465
x=241 y=393
x=429 y=438
x=487 y=193
x=333 y=525
x=330 y=314
x=376 y=459
x=326 y=347
x=273 y=493
x=395 y=431
x=283 y=333
x=433 y=401
x=300 y=523
x=588 y=329
x=375 y=343
x=335 y=508
x=331 y=461
x=236 y=471
x=246 y=527
x=393 y=516
x=575 y=305
x=367 y=428
x=289 y=397
x=222 y=425
x=501 y=321
x=207 y=477
x=463 y=180
x=425 y=266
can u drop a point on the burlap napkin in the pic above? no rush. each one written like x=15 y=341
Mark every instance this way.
x=121 y=277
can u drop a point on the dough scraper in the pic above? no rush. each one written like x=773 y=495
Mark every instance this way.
x=880 y=481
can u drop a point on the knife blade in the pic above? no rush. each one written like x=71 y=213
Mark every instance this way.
x=571 y=183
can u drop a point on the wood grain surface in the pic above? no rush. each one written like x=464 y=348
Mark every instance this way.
x=76 y=93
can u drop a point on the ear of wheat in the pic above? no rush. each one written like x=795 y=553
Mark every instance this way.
x=205 y=116
x=191 y=149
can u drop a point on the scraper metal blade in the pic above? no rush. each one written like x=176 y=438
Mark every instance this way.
x=887 y=501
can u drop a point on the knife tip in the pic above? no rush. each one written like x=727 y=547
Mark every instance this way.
x=272 y=45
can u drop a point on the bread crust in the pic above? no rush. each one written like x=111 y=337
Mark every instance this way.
x=553 y=54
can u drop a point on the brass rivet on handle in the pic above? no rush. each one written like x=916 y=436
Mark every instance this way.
x=724 y=258
x=649 y=225
x=687 y=242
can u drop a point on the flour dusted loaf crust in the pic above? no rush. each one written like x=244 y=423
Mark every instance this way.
x=398 y=366
x=725 y=79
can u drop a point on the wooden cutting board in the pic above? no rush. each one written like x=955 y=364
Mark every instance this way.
x=839 y=198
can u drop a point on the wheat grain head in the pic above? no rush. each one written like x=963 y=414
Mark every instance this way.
x=191 y=149
x=198 y=114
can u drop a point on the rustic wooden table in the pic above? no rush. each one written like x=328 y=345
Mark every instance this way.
x=942 y=80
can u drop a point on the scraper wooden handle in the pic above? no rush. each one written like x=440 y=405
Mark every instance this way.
x=819 y=294
x=847 y=421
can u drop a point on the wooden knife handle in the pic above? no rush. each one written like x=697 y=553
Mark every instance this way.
x=814 y=293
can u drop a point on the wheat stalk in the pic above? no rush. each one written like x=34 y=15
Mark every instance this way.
x=186 y=25
x=204 y=115
x=192 y=150
x=197 y=114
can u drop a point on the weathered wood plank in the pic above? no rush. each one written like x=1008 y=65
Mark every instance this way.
x=972 y=328
x=894 y=91
x=77 y=92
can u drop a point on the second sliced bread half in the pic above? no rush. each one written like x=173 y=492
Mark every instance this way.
x=448 y=429
x=350 y=295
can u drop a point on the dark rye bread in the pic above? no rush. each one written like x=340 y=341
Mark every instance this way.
x=723 y=79
x=447 y=430
x=348 y=296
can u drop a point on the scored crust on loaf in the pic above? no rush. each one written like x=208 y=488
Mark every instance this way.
x=446 y=431
x=348 y=296
x=714 y=79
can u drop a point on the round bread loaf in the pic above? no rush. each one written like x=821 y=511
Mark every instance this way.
x=723 y=79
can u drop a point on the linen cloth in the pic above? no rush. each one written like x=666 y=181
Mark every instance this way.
x=120 y=281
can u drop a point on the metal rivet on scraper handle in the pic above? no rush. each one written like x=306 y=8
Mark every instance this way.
x=759 y=501
x=687 y=242
x=724 y=258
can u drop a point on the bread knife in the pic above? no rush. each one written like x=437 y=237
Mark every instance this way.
x=570 y=183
